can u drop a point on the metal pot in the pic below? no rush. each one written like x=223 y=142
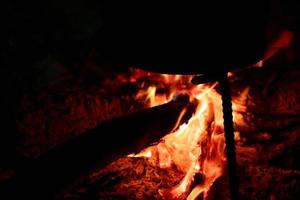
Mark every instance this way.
x=184 y=37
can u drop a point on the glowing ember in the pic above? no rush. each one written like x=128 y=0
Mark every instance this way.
x=195 y=147
x=281 y=43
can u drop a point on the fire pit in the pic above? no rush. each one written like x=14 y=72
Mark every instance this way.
x=168 y=169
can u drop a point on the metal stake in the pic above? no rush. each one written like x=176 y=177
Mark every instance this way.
x=229 y=137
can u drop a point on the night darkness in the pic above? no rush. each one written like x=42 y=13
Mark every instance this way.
x=41 y=41
x=44 y=43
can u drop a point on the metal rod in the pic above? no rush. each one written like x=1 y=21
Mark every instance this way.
x=229 y=137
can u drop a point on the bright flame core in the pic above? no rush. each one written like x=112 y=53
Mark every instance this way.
x=196 y=146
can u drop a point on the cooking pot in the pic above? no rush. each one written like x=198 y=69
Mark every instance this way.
x=184 y=37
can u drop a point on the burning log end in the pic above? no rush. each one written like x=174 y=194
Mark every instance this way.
x=48 y=174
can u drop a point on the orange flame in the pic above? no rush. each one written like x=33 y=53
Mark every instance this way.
x=196 y=146
x=281 y=43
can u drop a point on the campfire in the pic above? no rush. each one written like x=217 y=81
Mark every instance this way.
x=181 y=151
x=189 y=162
x=186 y=157
x=196 y=146
x=152 y=101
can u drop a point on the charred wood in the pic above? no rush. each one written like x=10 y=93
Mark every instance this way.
x=55 y=115
x=47 y=174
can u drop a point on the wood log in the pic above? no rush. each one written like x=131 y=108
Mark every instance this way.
x=140 y=178
x=55 y=115
x=46 y=175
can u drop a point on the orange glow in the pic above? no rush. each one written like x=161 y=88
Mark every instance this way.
x=196 y=146
x=281 y=43
x=151 y=96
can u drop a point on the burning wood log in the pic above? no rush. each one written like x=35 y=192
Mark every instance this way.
x=97 y=147
x=55 y=115
x=260 y=179
x=207 y=144
x=252 y=162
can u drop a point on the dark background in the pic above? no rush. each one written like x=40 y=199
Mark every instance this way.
x=42 y=40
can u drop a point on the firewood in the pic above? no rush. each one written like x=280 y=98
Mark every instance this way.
x=56 y=115
x=50 y=172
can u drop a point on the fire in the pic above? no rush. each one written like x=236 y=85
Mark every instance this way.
x=281 y=44
x=196 y=146
x=150 y=95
